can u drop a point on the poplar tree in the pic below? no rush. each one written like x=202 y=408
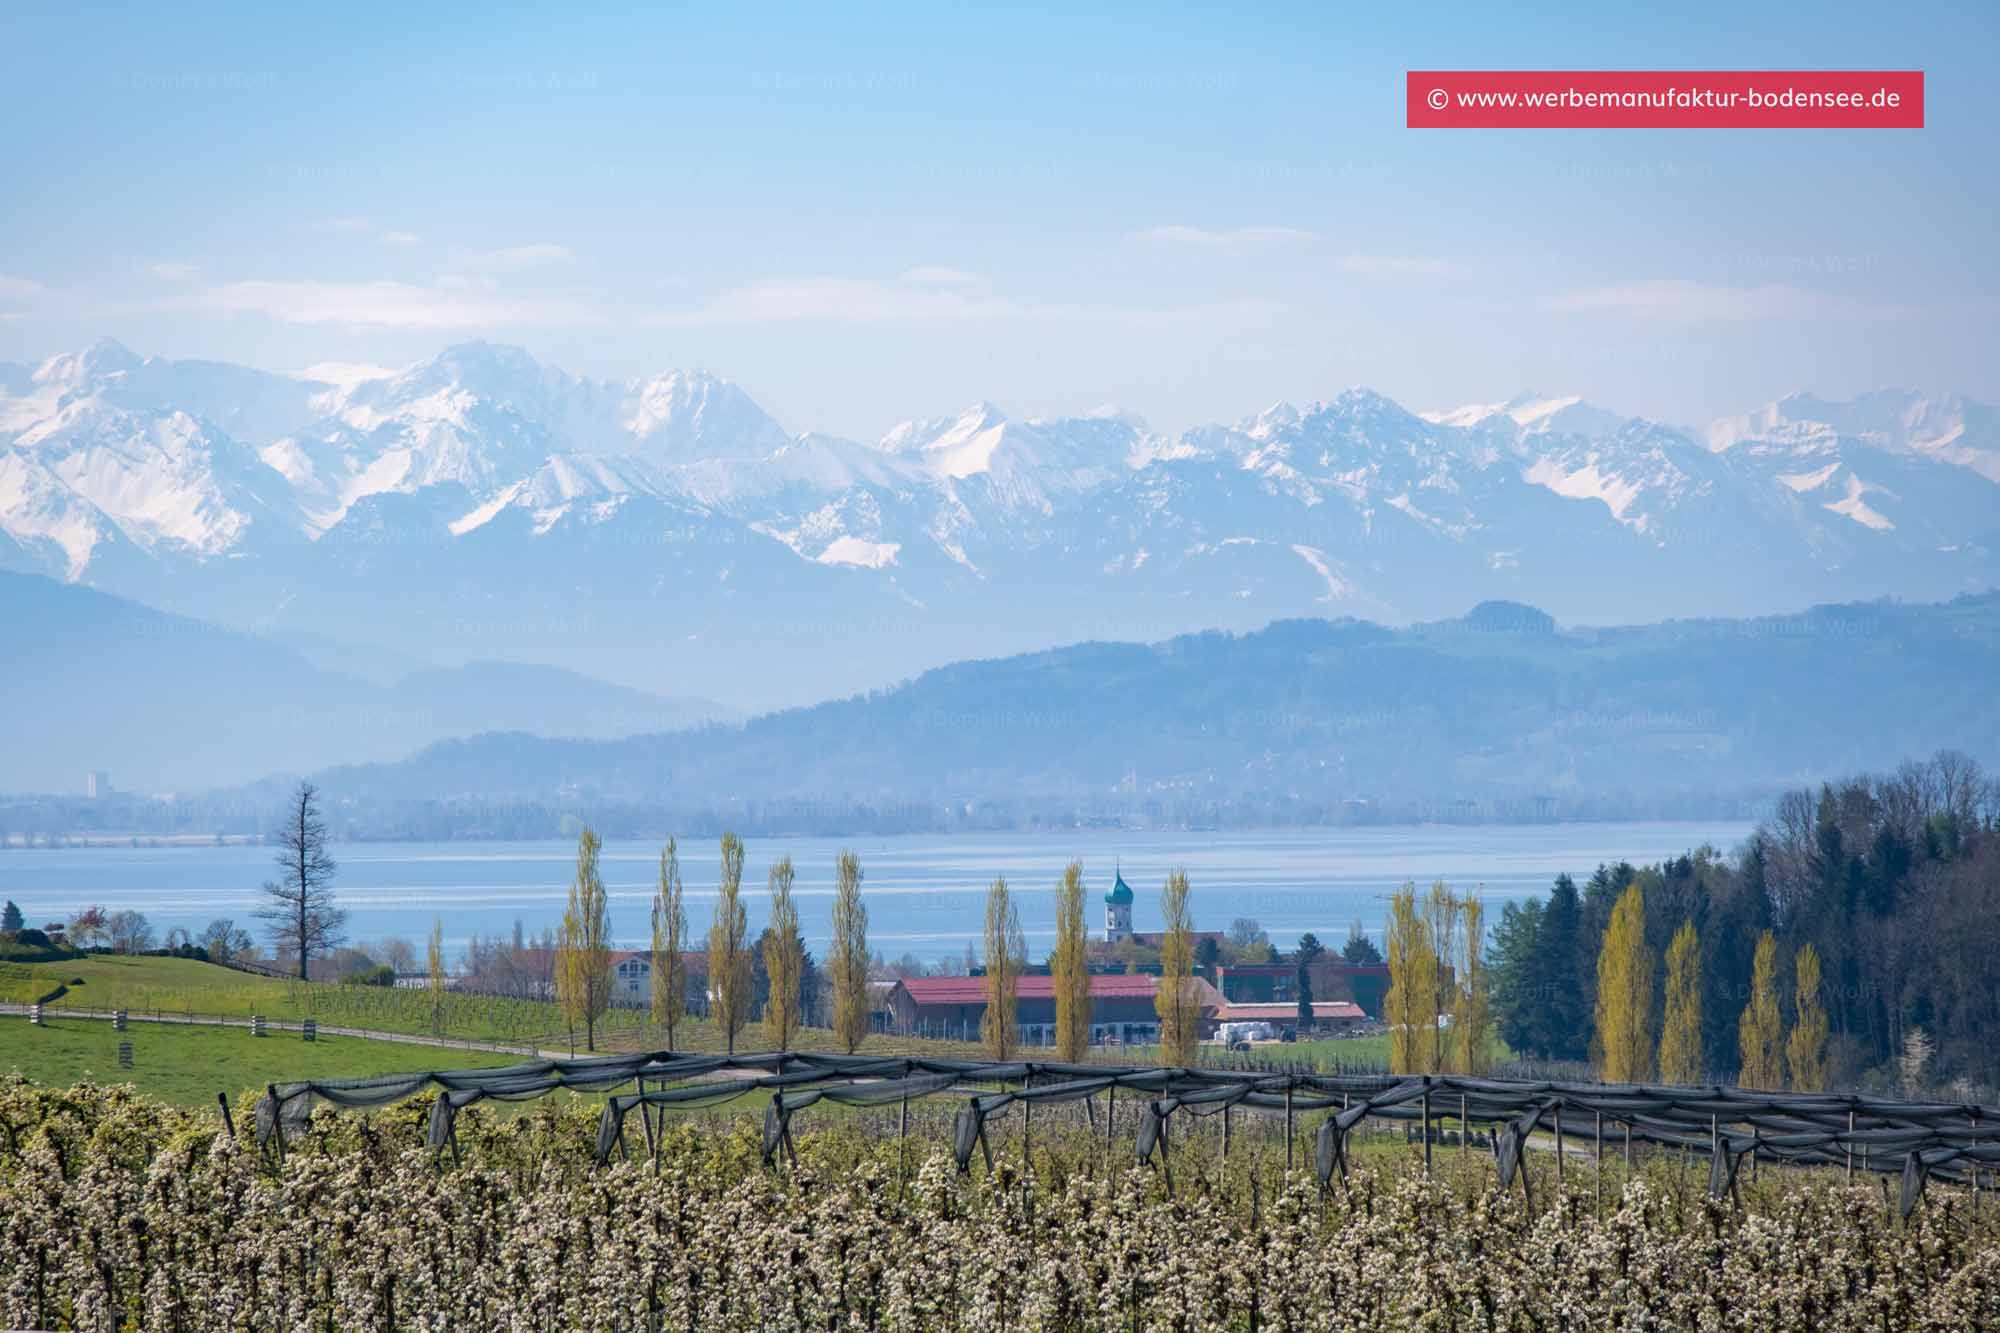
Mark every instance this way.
x=848 y=962
x=436 y=961
x=1441 y=908
x=1411 y=1003
x=1625 y=993
x=670 y=928
x=1177 y=1002
x=728 y=959
x=1472 y=1017
x=784 y=960
x=1681 y=1047
x=1805 y=1049
x=1069 y=966
x=583 y=949
x=1006 y=956
x=1758 y=1033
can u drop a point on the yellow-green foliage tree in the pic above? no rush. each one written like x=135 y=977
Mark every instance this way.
x=1472 y=1012
x=1625 y=993
x=670 y=928
x=1805 y=1049
x=728 y=958
x=1441 y=908
x=583 y=948
x=1411 y=1005
x=437 y=978
x=1680 y=1030
x=1006 y=957
x=1069 y=967
x=847 y=964
x=1759 y=1035
x=1177 y=1002
x=784 y=961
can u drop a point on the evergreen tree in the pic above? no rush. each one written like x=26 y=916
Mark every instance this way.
x=1359 y=951
x=848 y=963
x=1069 y=965
x=1805 y=1049
x=1304 y=956
x=1760 y=1036
x=1006 y=957
x=1729 y=949
x=1517 y=988
x=1566 y=1016
x=1625 y=993
x=11 y=921
x=1682 y=1056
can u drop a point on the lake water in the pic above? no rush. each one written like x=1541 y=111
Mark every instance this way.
x=925 y=894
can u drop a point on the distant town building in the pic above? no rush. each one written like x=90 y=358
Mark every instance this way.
x=97 y=785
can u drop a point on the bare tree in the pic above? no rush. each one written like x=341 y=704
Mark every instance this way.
x=299 y=911
x=225 y=941
x=130 y=932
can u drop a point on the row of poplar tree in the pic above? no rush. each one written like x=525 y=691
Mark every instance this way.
x=583 y=978
x=1440 y=1011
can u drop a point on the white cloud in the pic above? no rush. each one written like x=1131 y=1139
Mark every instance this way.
x=171 y=271
x=403 y=239
x=1701 y=302
x=18 y=289
x=396 y=305
x=937 y=275
x=1235 y=239
x=844 y=300
x=1395 y=265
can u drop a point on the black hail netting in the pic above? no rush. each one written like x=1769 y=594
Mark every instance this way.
x=1917 y=1140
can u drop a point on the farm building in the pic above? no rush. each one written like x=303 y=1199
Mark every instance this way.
x=1121 y=1007
x=1328 y=1015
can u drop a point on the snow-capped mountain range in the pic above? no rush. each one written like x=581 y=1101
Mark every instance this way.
x=667 y=533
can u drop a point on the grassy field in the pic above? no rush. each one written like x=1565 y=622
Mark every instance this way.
x=181 y=986
x=189 y=1065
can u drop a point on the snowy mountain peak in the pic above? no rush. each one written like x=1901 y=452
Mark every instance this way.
x=1533 y=413
x=102 y=359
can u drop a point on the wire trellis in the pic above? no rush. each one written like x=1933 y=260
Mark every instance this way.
x=1955 y=1143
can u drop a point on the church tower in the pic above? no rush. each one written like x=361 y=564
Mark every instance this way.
x=1118 y=912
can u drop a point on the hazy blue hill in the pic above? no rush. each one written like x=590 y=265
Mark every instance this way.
x=1498 y=703
x=168 y=702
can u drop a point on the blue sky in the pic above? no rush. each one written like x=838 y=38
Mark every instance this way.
x=864 y=217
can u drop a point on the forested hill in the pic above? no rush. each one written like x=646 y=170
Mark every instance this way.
x=1500 y=705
